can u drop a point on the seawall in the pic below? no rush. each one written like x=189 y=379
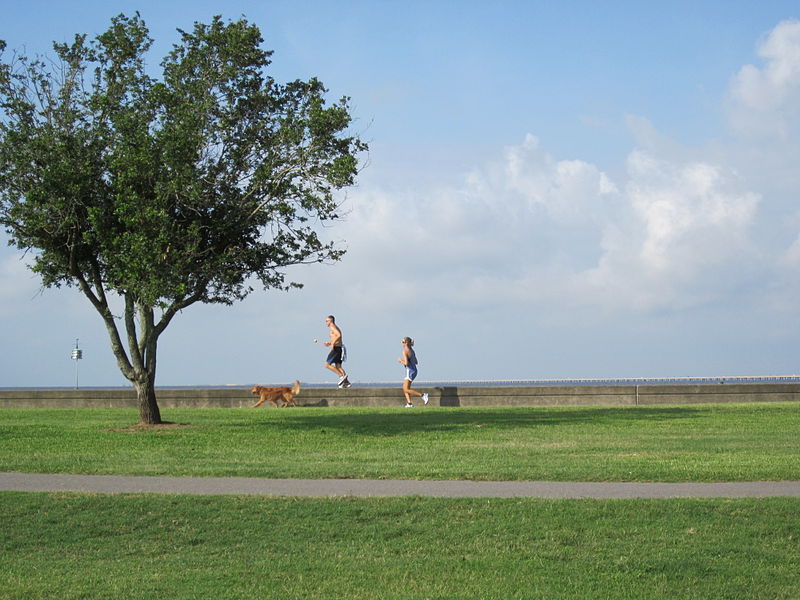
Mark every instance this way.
x=586 y=395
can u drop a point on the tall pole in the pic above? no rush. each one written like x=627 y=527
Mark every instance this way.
x=77 y=354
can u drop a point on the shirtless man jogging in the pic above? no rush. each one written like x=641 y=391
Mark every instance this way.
x=338 y=354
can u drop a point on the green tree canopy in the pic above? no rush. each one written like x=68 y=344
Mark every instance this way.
x=170 y=191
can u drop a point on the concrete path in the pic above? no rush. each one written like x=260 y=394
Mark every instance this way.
x=114 y=484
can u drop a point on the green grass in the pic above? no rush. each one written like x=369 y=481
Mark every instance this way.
x=145 y=546
x=65 y=545
x=666 y=443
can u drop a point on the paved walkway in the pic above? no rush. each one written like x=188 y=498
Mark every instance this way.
x=114 y=484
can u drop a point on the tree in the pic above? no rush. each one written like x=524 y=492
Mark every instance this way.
x=172 y=191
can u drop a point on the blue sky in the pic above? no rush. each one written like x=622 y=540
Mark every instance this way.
x=553 y=190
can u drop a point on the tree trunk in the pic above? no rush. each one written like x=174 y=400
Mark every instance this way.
x=149 y=414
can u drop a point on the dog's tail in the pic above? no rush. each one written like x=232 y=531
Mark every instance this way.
x=296 y=387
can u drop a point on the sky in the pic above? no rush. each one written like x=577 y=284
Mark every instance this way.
x=552 y=191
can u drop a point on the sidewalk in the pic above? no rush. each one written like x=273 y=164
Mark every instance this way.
x=114 y=484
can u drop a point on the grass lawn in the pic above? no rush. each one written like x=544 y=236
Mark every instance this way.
x=741 y=442
x=68 y=546
x=72 y=546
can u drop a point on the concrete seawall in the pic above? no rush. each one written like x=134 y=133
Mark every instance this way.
x=622 y=395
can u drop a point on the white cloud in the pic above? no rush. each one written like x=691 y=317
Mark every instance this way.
x=764 y=111
x=766 y=100
x=687 y=224
x=529 y=228
x=475 y=242
x=570 y=191
x=689 y=218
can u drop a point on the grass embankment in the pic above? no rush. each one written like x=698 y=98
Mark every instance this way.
x=746 y=442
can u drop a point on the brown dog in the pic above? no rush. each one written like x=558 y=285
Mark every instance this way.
x=274 y=394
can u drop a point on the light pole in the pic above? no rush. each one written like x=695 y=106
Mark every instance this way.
x=77 y=354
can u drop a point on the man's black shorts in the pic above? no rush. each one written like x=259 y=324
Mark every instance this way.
x=335 y=356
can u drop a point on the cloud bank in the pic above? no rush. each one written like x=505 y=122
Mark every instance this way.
x=532 y=229
x=677 y=230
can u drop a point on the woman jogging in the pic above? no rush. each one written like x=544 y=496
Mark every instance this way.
x=409 y=359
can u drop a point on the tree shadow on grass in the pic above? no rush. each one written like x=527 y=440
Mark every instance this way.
x=385 y=422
